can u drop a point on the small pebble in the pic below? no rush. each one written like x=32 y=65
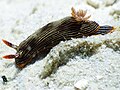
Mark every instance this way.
x=93 y=3
x=81 y=85
x=4 y=79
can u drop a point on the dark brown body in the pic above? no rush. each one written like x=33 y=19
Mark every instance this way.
x=39 y=43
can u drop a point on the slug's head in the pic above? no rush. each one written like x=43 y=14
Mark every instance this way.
x=22 y=57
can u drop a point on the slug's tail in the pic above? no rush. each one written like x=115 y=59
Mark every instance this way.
x=105 y=30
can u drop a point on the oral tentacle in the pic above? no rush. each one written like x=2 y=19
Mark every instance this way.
x=10 y=56
x=10 y=44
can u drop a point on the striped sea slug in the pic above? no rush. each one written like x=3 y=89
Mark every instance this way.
x=44 y=39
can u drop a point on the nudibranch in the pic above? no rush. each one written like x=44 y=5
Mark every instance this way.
x=44 y=39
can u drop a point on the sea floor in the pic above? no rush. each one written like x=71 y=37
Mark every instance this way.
x=101 y=70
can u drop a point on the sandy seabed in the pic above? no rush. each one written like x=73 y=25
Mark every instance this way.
x=20 y=18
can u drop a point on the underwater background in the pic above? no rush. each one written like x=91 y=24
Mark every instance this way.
x=95 y=59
